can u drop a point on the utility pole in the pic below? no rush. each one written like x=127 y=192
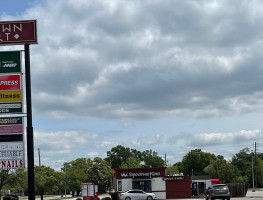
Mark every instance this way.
x=255 y=168
x=39 y=159
x=253 y=181
x=111 y=181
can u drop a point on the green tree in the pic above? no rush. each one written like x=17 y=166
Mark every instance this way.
x=20 y=181
x=173 y=169
x=151 y=158
x=104 y=167
x=76 y=172
x=131 y=162
x=222 y=169
x=47 y=179
x=242 y=160
x=195 y=161
x=119 y=154
x=96 y=176
x=8 y=180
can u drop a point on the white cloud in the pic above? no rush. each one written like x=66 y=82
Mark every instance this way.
x=115 y=57
x=144 y=60
x=219 y=139
x=147 y=141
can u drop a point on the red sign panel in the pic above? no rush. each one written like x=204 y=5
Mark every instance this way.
x=18 y=32
x=10 y=82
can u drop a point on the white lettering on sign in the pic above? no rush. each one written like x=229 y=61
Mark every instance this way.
x=10 y=28
x=140 y=174
x=174 y=178
x=15 y=105
x=4 y=110
x=13 y=82
x=9 y=65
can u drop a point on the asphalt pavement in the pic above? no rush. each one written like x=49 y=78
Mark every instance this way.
x=257 y=195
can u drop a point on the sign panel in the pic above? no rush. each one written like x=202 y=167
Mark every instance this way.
x=11 y=138
x=8 y=164
x=6 y=108
x=12 y=129
x=16 y=154
x=10 y=96
x=18 y=32
x=10 y=82
x=10 y=62
x=9 y=146
x=11 y=142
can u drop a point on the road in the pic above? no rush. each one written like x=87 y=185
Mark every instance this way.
x=257 y=195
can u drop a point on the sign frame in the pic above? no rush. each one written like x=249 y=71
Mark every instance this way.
x=8 y=30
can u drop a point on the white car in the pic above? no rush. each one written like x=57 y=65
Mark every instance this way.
x=137 y=195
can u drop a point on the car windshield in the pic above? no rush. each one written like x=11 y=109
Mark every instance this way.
x=220 y=187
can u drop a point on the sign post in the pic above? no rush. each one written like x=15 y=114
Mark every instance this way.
x=24 y=33
x=30 y=138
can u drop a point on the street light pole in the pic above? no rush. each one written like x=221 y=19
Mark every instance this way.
x=111 y=182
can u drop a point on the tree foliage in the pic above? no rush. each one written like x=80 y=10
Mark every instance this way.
x=120 y=155
x=222 y=169
x=76 y=172
x=195 y=161
x=151 y=158
x=131 y=162
x=96 y=176
x=47 y=179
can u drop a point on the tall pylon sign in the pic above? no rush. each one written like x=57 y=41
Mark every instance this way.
x=12 y=146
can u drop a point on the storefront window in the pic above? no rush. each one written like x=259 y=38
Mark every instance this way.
x=145 y=185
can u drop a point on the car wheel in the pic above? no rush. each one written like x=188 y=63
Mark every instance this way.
x=128 y=198
x=149 y=198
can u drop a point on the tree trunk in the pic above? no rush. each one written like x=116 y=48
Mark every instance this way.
x=42 y=194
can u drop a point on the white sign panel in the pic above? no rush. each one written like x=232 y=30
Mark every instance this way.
x=10 y=146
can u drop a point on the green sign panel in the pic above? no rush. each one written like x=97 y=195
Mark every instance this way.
x=10 y=61
x=12 y=107
x=10 y=120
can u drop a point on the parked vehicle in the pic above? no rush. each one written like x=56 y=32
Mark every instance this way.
x=218 y=191
x=10 y=197
x=137 y=195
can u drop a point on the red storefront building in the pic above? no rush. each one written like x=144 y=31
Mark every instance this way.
x=153 y=180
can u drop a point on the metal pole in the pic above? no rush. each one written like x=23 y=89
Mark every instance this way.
x=253 y=182
x=30 y=138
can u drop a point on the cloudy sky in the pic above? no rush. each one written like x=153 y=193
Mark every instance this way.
x=170 y=76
